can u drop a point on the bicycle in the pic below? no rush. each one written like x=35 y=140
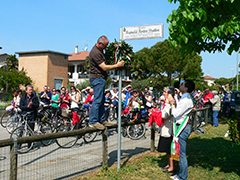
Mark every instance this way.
x=25 y=130
x=66 y=125
x=14 y=121
x=7 y=115
x=135 y=131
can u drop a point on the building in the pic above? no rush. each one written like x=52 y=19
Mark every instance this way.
x=45 y=68
x=76 y=71
x=209 y=80
x=3 y=59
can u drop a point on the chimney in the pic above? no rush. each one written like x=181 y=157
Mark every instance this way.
x=76 y=49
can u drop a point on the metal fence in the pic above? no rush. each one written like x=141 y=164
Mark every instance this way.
x=53 y=162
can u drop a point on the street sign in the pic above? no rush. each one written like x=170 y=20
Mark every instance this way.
x=141 y=32
x=130 y=33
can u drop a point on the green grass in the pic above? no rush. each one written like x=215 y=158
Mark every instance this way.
x=210 y=156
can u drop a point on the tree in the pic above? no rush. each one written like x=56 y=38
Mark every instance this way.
x=83 y=85
x=140 y=84
x=11 y=62
x=87 y=66
x=11 y=77
x=162 y=62
x=206 y=25
x=222 y=81
x=140 y=68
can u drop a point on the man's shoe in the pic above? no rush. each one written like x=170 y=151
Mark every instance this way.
x=107 y=124
x=98 y=126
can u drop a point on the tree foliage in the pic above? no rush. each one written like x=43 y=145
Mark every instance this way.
x=11 y=62
x=206 y=25
x=140 y=67
x=162 y=62
x=140 y=84
x=11 y=77
x=222 y=81
x=83 y=85
x=87 y=65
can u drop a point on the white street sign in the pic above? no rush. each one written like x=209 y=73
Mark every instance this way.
x=141 y=32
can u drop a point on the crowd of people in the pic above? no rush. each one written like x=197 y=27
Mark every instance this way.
x=173 y=107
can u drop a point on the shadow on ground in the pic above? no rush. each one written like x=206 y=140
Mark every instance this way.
x=125 y=154
x=211 y=153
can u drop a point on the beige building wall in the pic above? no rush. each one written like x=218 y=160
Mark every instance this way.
x=36 y=68
x=57 y=69
x=44 y=67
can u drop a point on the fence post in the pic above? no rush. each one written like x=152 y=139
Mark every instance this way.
x=152 y=137
x=206 y=116
x=13 y=160
x=195 y=121
x=104 y=148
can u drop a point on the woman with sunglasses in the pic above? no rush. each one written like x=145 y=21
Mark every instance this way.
x=75 y=98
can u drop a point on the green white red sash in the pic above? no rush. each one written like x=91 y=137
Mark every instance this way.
x=175 y=147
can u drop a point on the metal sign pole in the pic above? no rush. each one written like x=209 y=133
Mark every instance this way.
x=119 y=119
x=135 y=34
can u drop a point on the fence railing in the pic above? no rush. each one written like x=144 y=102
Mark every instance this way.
x=13 y=142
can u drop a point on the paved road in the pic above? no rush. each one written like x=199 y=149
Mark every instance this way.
x=52 y=162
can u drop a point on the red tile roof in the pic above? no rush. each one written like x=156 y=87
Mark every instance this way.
x=208 y=77
x=3 y=54
x=81 y=55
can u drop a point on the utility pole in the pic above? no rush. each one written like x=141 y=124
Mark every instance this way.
x=237 y=69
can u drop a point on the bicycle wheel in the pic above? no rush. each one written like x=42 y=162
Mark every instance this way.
x=88 y=137
x=66 y=142
x=136 y=131
x=22 y=132
x=5 y=117
x=46 y=129
x=13 y=122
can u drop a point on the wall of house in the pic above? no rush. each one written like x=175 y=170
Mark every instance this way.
x=57 y=69
x=44 y=68
x=36 y=67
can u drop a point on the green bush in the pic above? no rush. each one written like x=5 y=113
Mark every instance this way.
x=83 y=85
x=234 y=128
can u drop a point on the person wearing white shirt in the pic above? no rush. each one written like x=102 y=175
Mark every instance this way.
x=179 y=113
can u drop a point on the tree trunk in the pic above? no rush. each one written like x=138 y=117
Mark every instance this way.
x=169 y=78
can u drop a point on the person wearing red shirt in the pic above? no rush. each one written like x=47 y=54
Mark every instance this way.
x=64 y=98
x=89 y=97
x=206 y=96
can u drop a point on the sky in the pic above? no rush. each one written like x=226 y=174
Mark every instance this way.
x=59 y=25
